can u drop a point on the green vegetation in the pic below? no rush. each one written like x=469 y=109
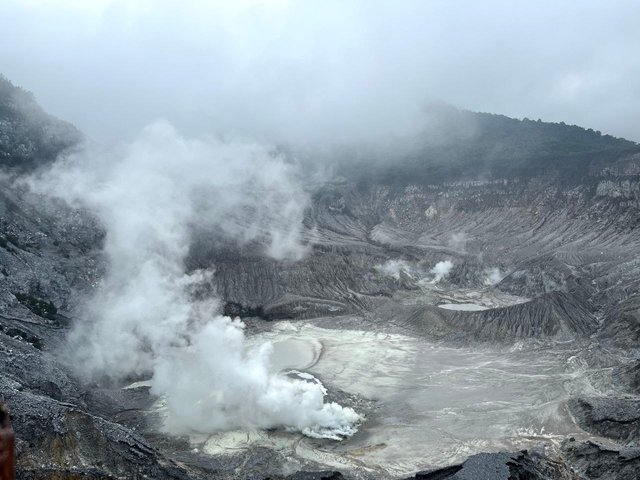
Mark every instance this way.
x=483 y=145
x=28 y=135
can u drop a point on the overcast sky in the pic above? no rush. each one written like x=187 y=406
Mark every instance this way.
x=311 y=71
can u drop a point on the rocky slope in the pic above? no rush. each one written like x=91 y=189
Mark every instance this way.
x=541 y=220
x=29 y=137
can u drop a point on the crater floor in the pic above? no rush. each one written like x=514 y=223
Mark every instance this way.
x=430 y=405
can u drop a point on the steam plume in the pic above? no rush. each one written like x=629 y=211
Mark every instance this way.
x=493 y=276
x=394 y=268
x=145 y=317
x=441 y=270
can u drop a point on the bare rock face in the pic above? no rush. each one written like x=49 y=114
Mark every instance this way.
x=629 y=376
x=560 y=250
x=600 y=460
x=558 y=316
x=61 y=432
x=29 y=137
x=616 y=418
x=324 y=475
x=503 y=466
x=622 y=325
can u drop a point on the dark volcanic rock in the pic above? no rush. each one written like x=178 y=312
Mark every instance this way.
x=601 y=460
x=538 y=276
x=629 y=376
x=324 y=475
x=59 y=437
x=502 y=466
x=553 y=316
x=617 y=418
x=29 y=137
x=622 y=324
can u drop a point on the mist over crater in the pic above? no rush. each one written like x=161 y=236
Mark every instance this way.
x=360 y=240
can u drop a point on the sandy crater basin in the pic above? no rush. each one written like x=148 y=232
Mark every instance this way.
x=433 y=404
x=294 y=353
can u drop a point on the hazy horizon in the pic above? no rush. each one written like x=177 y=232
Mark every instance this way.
x=281 y=71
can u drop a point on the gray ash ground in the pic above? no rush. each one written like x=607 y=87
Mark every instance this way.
x=428 y=404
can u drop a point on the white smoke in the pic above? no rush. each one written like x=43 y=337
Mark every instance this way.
x=441 y=270
x=394 y=268
x=493 y=276
x=458 y=241
x=217 y=384
x=145 y=318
